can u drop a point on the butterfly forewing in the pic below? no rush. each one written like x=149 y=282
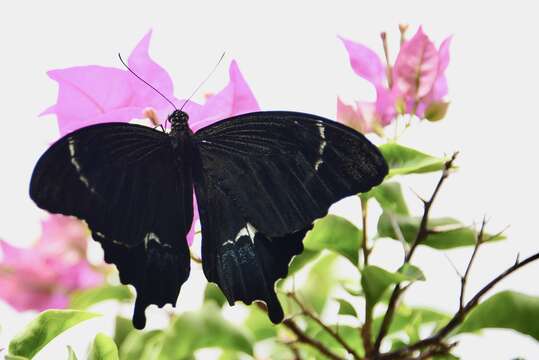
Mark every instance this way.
x=261 y=180
x=126 y=182
x=284 y=169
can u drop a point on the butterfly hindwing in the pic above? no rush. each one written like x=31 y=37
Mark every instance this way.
x=124 y=180
x=262 y=179
x=244 y=262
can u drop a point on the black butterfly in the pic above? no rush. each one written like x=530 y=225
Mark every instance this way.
x=260 y=179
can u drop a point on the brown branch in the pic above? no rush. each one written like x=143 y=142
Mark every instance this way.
x=326 y=328
x=459 y=317
x=464 y=278
x=420 y=237
x=304 y=338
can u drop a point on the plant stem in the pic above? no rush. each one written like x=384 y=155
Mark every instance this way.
x=366 y=329
x=364 y=244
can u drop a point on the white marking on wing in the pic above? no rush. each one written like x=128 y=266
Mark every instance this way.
x=72 y=148
x=323 y=143
x=248 y=230
x=72 y=151
x=153 y=237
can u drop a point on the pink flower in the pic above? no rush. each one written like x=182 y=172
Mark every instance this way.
x=236 y=98
x=417 y=83
x=94 y=94
x=42 y=277
x=63 y=235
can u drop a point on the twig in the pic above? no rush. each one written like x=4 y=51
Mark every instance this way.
x=389 y=71
x=326 y=328
x=364 y=245
x=457 y=319
x=366 y=329
x=420 y=237
x=398 y=231
x=304 y=338
x=453 y=265
x=464 y=278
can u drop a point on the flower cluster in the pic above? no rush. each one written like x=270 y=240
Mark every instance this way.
x=43 y=276
x=414 y=85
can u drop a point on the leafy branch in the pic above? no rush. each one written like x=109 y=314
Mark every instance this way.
x=311 y=315
x=302 y=337
x=436 y=340
x=420 y=237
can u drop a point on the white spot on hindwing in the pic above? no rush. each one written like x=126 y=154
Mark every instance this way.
x=76 y=164
x=323 y=143
x=153 y=237
x=247 y=230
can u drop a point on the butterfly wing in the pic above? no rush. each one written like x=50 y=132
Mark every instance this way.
x=124 y=180
x=273 y=173
x=244 y=262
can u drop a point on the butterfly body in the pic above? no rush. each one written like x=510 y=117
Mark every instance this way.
x=260 y=180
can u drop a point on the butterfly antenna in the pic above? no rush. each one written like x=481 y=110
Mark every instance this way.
x=204 y=81
x=147 y=83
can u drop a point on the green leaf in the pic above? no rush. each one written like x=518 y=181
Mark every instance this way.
x=320 y=282
x=204 y=328
x=71 y=354
x=436 y=111
x=229 y=355
x=404 y=315
x=103 y=348
x=404 y=160
x=122 y=328
x=397 y=344
x=352 y=288
x=83 y=299
x=506 y=310
x=345 y=308
x=376 y=280
x=299 y=261
x=45 y=327
x=259 y=324
x=412 y=272
x=213 y=293
x=135 y=343
x=15 y=357
x=153 y=347
x=448 y=232
x=348 y=333
x=336 y=234
x=389 y=196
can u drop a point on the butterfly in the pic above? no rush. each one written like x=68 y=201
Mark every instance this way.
x=260 y=179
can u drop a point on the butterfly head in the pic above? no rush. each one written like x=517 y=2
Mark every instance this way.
x=178 y=118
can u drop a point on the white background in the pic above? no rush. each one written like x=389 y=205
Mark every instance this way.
x=292 y=59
